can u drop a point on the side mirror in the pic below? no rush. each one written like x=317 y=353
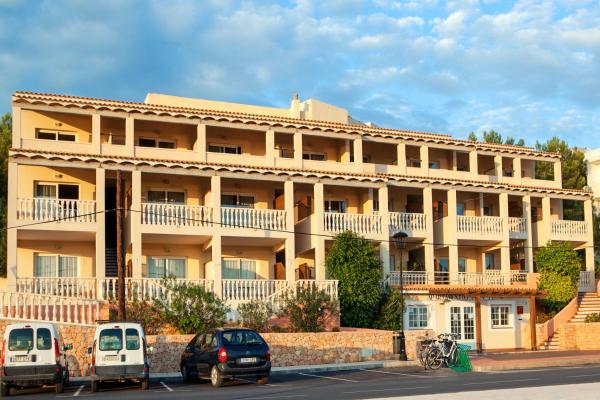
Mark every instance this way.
x=189 y=348
x=67 y=347
x=149 y=349
x=89 y=350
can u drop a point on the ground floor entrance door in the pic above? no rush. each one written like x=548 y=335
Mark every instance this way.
x=462 y=321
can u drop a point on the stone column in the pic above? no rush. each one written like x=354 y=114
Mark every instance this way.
x=529 y=227
x=384 y=245
x=136 y=224
x=473 y=167
x=401 y=157
x=505 y=243
x=200 y=145
x=130 y=135
x=429 y=239
x=498 y=167
x=320 y=272
x=16 y=127
x=216 y=264
x=589 y=246
x=517 y=169
x=451 y=236
x=290 y=241
x=544 y=231
x=96 y=134
x=270 y=147
x=424 y=155
x=11 y=221
x=558 y=173
x=298 y=148
x=215 y=200
x=100 y=262
x=358 y=150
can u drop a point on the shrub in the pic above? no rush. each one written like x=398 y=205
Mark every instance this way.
x=309 y=309
x=148 y=315
x=255 y=315
x=559 y=266
x=190 y=308
x=353 y=261
x=390 y=316
x=595 y=317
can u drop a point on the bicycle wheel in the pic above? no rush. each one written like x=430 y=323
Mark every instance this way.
x=435 y=358
x=423 y=356
x=453 y=358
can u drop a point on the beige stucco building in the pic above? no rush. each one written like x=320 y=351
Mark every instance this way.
x=246 y=200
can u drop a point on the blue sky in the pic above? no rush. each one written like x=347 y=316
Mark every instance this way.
x=528 y=69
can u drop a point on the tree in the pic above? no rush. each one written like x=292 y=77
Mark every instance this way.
x=494 y=137
x=390 y=316
x=353 y=261
x=574 y=166
x=5 y=143
x=559 y=266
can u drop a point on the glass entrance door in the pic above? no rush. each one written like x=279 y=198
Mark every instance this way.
x=462 y=322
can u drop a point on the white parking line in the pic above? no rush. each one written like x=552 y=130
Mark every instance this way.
x=328 y=377
x=78 y=391
x=582 y=376
x=505 y=381
x=393 y=373
x=283 y=396
x=166 y=387
x=389 y=389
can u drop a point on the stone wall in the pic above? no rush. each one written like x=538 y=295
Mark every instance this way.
x=580 y=336
x=349 y=345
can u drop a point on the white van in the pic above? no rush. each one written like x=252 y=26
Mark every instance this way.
x=33 y=355
x=119 y=353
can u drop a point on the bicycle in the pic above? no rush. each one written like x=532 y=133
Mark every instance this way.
x=423 y=350
x=445 y=352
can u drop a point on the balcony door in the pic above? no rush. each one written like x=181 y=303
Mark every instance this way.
x=55 y=266
x=168 y=213
x=163 y=267
x=47 y=204
x=235 y=268
x=335 y=206
x=461 y=318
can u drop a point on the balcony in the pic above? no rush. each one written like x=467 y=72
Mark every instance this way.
x=176 y=215
x=517 y=227
x=362 y=224
x=569 y=230
x=471 y=227
x=56 y=210
x=253 y=218
x=487 y=278
x=414 y=224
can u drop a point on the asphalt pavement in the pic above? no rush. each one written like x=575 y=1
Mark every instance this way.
x=363 y=384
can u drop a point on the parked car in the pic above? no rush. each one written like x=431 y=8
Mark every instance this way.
x=33 y=355
x=119 y=353
x=226 y=353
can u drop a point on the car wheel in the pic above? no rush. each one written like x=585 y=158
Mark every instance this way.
x=94 y=386
x=145 y=384
x=263 y=381
x=185 y=375
x=67 y=378
x=4 y=390
x=216 y=378
x=59 y=387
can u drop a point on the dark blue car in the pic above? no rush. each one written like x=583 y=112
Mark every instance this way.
x=226 y=353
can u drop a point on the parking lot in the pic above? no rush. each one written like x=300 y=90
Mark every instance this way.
x=335 y=385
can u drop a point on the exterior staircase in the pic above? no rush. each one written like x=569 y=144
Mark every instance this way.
x=110 y=254
x=553 y=343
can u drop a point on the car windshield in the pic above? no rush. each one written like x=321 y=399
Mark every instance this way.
x=241 y=337
x=20 y=339
x=111 y=339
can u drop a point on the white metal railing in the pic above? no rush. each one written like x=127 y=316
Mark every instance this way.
x=479 y=225
x=256 y=218
x=518 y=225
x=48 y=209
x=587 y=281
x=176 y=215
x=487 y=278
x=412 y=222
x=36 y=307
x=365 y=224
x=568 y=228
x=146 y=288
x=83 y=288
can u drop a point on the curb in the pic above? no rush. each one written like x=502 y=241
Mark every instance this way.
x=537 y=364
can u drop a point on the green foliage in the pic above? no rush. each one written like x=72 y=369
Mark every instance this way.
x=594 y=317
x=255 y=315
x=574 y=166
x=5 y=143
x=390 y=316
x=190 y=308
x=148 y=315
x=559 y=266
x=494 y=137
x=353 y=261
x=309 y=309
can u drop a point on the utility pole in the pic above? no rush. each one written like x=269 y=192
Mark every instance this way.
x=120 y=252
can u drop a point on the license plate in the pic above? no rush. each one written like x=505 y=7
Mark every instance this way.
x=111 y=358
x=23 y=358
x=248 y=360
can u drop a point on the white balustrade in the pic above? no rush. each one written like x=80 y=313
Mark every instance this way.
x=568 y=228
x=518 y=225
x=407 y=222
x=487 y=278
x=84 y=288
x=28 y=307
x=176 y=215
x=146 y=288
x=49 y=209
x=255 y=218
x=587 y=281
x=363 y=224
x=479 y=225
x=245 y=290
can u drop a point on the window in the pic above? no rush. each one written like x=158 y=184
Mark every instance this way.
x=460 y=209
x=237 y=200
x=225 y=148
x=165 y=196
x=500 y=316
x=417 y=317
x=337 y=206
x=44 y=339
x=160 y=143
x=238 y=269
x=487 y=211
x=434 y=165
x=456 y=321
x=310 y=155
x=111 y=339
x=413 y=163
x=20 y=339
x=132 y=339
x=489 y=261
x=241 y=338
x=462 y=263
x=162 y=267
x=210 y=341
x=375 y=205
x=57 y=191
x=55 y=266
x=56 y=135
